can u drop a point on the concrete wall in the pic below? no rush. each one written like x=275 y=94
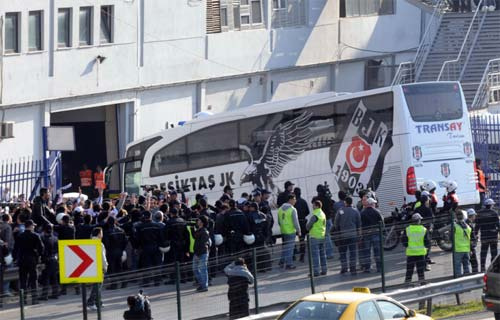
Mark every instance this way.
x=165 y=68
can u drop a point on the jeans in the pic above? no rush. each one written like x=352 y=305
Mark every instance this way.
x=370 y=241
x=318 y=255
x=200 y=269
x=328 y=239
x=348 y=243
x=96 y=289
x=461 y=259
x=287 y=249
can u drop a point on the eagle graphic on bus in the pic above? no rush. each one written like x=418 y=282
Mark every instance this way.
x=286 y=143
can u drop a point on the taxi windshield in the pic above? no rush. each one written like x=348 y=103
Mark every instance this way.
x=317 y=310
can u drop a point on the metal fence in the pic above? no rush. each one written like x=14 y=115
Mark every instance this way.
x=23 y=177
x=486 y=137
x=173 y=295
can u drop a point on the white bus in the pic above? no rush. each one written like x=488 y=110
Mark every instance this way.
x=389 y=139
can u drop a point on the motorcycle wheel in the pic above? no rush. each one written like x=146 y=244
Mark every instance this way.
x=391 y=239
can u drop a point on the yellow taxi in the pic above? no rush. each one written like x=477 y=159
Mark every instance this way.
x=359 y=304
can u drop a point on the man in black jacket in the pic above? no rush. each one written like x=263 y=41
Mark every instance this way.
x=115 y=242
x=202 y=245
x=283 y=196
x=42 y=214
x=487 y=225
x=326 y=199
x=28 y=248
x=149 y=239
x=236 y=226
x=49 y=259
x=176 y=233
x=302 y=212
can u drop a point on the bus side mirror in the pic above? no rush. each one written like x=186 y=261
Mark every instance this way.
x=107 y=175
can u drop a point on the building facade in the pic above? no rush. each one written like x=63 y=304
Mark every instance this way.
x=119 y=70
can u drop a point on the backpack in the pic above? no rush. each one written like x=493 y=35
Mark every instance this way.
x=143 y=305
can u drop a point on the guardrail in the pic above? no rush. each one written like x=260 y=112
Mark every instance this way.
x=406 y=296
x=482 y=97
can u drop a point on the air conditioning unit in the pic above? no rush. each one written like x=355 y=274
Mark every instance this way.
x=6 y=130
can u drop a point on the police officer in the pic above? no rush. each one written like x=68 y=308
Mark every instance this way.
x=236 y=227
x=177 y=234
x=487 y=226
x=416 y=240
x=430 y=186
x=115 y=242
x=265 y=208
x=150 y=239
x=427 y=220
x=289 y=226
x=462 y=240
x=259 y=229
x=28 y=248
x=317 y=232
x=302 y=212
x=471 y=221
x=49 y=259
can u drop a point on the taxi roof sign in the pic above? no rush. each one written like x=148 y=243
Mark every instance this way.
x=80 y=261
x=361 y=290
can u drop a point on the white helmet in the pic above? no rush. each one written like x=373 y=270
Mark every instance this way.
x=428 y=185
x=451 y=186
x=489 y=202
x=164 y=249
x=218 y=239
x=471 y=212
x=124 y=256
x=59 y=217
x=8 y=259
x=249 y=239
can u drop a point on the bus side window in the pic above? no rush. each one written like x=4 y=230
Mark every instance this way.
x=170 y=159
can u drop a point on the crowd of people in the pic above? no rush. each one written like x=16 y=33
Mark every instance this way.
x=159 y=228
x=471 y=5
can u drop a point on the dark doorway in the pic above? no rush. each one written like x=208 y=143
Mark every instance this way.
x=90 y=140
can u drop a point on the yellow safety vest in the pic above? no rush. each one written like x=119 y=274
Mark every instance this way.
x=462 y=239
x=286 y=221
x=318 y=229
x=416 y=235
x=191 y=239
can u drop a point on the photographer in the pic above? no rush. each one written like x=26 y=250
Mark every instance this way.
x=139 y=308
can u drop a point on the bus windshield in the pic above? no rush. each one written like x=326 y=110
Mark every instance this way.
x=434 y=101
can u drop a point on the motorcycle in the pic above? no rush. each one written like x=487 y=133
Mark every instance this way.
x=440 y=229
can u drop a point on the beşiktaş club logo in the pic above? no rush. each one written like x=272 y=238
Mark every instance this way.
x=467 y=149
x=417 y=153
x=362 y=151
x=445 y=170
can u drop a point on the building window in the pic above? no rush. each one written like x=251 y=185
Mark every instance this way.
x=223 y=16
x=288 y=13
x=378 y=73
x=64 y=28
x=35 y=31
x=107 y=24
x=234 y=15
x=12 y=32
x=356 y=8
x=279 y=4
x=86 y=26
